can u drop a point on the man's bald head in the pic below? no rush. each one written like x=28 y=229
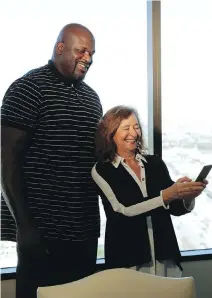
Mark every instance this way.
x=72 y=28
x=73 y=51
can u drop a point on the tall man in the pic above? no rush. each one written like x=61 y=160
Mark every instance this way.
x=49 y=118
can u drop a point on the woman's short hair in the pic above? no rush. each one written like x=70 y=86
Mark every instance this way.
x=107 y=127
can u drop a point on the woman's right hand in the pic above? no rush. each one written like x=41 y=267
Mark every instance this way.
x=182 y=189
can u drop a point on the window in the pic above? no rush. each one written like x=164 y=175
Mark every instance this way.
x=186 y=108
x=119 y=72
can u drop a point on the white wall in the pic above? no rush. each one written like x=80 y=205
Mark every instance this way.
x=200 y=270
x=202 y=273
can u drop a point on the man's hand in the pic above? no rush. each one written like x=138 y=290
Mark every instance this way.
x=29 y=238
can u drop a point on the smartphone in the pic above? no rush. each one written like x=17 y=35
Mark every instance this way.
x=204 y=173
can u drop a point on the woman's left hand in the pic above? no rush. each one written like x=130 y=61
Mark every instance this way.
x=194 y=194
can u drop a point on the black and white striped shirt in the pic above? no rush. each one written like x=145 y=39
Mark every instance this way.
x=62 y=119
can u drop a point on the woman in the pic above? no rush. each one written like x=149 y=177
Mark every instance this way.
x=138 y=196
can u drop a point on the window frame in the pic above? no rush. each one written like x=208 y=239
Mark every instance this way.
x=186 y=256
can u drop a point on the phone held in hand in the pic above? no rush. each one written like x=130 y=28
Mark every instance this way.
x=204 y=173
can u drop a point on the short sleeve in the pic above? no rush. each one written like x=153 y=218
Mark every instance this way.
x=21 y=105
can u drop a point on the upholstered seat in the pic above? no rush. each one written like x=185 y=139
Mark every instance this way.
x=122 y=283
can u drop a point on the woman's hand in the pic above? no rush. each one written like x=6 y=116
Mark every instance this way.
x=183 y=188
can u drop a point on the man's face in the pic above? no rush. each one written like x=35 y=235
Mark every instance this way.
x=76 y=55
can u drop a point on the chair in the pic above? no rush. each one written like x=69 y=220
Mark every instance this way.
x=122 y=283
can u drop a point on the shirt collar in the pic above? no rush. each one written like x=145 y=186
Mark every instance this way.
x=118 y=159
x=61 y=77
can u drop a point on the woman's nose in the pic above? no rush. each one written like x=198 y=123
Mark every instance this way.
x=133 y=132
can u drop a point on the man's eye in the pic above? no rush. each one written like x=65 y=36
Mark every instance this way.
x=81 y=51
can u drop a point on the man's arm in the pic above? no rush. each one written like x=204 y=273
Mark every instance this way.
x=14 y=143
x=19 y=113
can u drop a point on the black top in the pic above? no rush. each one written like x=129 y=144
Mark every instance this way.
x=62 y=118
x=127 y=240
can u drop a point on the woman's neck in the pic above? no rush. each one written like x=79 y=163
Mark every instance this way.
x=129 y=158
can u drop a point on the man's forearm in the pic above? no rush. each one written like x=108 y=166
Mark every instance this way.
x=13 y=190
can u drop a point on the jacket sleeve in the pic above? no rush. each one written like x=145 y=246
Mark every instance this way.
x=129 y=211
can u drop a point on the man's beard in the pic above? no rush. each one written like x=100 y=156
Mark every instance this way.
x=74 y=76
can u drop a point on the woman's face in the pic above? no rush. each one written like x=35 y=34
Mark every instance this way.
x=127 y=135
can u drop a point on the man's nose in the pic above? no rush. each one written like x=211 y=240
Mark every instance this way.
x=87 y=56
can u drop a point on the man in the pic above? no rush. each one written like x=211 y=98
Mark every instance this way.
x=49 y=118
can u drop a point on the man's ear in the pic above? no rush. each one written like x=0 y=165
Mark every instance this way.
x=59 y=48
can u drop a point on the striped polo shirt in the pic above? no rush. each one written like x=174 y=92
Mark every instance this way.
x=62 y=119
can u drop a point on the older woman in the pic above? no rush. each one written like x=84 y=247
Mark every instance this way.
x=138 y=196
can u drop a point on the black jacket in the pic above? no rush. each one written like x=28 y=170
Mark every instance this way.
x=126 y=238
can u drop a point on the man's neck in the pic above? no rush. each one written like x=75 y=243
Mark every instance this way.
x=67 y=80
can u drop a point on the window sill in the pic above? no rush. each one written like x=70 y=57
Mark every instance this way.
x=8 y=273
x=196 y=255
x=187 y=256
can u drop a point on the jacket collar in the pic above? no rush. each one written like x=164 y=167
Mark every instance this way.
x=118 y=159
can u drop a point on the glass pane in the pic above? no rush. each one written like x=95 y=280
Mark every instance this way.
x=186 y=108
x=119 y=72
x=8 y=256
